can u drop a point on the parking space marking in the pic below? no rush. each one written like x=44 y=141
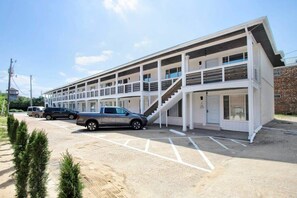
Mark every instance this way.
x=210 y=165
x=150 y=153
x=147 y=145
x=238 y=142
x=175 y=150
x=126 y=143
x=219 y=143
x=177 y=132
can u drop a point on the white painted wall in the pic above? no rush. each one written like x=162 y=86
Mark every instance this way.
x=267 y=88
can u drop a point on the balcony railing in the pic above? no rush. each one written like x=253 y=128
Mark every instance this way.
x=217 y=74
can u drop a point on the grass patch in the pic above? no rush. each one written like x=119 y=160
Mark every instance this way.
x=3 y=128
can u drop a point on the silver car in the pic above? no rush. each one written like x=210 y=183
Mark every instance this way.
x=111 y=116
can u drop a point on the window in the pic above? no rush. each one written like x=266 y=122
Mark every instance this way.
x=235 y=58
x=236 y=107
x=173 y=73
x=277 y=72
x=147 y=77
x=109 y=84
x=123 y=81
x=121 y=111
x=111 y=110
x=277 y=96
x=92 y=106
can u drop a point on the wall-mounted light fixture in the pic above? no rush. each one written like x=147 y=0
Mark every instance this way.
x=201 y=97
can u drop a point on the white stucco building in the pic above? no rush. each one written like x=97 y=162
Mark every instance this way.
x=221 y=81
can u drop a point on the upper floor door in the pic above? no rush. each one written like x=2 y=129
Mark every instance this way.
x=212 y=63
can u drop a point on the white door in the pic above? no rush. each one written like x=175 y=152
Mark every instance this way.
x=213 y=109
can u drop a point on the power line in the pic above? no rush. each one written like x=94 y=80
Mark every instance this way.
x=291 y=52
x=19 y=88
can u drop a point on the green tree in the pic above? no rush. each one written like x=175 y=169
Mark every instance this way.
x=70 y=180
x=21 y=160
x=10 y=120
x=39 y=156
x=14 y=131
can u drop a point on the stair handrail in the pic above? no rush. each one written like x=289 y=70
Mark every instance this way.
x=153 y=105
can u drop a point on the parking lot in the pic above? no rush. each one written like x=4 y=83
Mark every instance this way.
x=162 y=163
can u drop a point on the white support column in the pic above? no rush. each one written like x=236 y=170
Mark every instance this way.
x=141 y=89
x=160 y=91
x=250 y=86
x=191 y=110
x=75 y=98
x=116 y=88
x=166 y=118
x=184 y=98
x=98 y=100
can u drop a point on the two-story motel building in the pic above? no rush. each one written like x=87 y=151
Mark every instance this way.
x=223 y=80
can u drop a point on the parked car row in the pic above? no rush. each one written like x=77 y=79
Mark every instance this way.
x=51 y=112
x=107 y=116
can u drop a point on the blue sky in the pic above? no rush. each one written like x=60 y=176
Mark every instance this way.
x=59 y=41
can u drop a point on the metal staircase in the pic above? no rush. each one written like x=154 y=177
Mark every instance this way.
x=169 y=98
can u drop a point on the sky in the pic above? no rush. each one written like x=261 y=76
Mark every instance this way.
x=60 y=41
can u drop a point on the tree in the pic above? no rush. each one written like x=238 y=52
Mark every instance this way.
x=70 y=180
x=21 y=160
x=14 y=131
x=39 y=156
x=10 y=121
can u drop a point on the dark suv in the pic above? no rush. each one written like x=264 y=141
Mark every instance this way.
x=57 y=112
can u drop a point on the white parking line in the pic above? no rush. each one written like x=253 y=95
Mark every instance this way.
x=147 y=145
x=219 y=143
x=202 y=154
x=153 y=154
x=177 y=132
x=126 y=143
x=238 y=142
x=175 y=150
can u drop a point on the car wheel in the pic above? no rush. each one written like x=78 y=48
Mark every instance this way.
x=71 y=117
x=92 y=125
x=36 y=116
x=136 y=125
x=48 y=117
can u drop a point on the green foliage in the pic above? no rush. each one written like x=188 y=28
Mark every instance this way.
x=14 y=129
x=3 y=104
x=21 y=160
x=3 y=125
x=24 y=102
x=70 y=180
x=10 y=120
x=39 y=156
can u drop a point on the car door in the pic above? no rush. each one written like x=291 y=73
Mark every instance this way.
x=108 y=117
x=56 y=112
x=122 y=117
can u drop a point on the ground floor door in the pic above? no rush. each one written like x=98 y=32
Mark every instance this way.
x=213 y=109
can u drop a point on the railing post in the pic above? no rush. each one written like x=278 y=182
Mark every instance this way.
x=202 y=78
x=223 y=74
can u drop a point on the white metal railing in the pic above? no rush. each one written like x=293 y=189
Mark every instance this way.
x=220 y=73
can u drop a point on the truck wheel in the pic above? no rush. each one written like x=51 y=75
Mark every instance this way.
x=48 y=117
x=136 y=125
x=92 y=125
x=71 y=117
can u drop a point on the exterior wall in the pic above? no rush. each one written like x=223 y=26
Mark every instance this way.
x=267 y=88
x=285 y=90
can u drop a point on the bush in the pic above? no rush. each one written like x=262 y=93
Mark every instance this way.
x=70 y=181
x=21 y=160
x=39 y=156
x=10 y=121
x=14 y=131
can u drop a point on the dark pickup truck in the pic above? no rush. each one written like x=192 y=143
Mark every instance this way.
x=111 y=116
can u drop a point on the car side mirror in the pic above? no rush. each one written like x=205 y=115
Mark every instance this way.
x=127 y=113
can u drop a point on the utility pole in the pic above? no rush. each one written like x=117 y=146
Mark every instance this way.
x=8 y=90
x=31 y=104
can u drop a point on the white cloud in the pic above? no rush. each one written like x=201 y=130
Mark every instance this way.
x=120 y=6
x=143 y=43
x=90 y=60
x=62 y=74
x=83 y=69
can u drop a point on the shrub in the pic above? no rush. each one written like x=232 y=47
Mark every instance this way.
x=14 y=131
x=70 y=181
x=21 y=160
x=10 y=120
x=39 y=156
